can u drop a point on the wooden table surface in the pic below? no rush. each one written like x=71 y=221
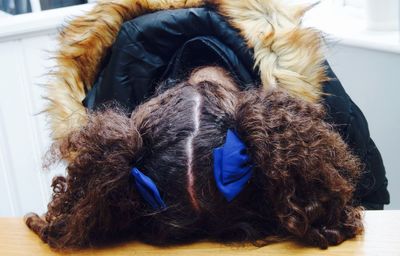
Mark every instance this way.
x=382 y=237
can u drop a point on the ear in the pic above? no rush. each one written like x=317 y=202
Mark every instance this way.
x=305 y=169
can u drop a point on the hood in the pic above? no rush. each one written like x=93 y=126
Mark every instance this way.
x=287 y=56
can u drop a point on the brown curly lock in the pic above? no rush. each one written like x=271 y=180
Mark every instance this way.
x=302 y=185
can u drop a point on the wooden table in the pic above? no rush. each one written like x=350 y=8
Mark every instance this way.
x=382 y=237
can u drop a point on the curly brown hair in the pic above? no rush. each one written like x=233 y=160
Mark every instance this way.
x=302 y=184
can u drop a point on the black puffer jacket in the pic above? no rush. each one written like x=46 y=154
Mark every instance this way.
x=166 y=45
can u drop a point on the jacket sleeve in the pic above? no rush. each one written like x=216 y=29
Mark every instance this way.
x=371 y=191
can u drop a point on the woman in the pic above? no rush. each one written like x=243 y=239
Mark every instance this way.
x=299 y=174
x=158 y=174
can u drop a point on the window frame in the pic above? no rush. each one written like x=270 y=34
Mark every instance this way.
x=14 y=27
x=35 y=5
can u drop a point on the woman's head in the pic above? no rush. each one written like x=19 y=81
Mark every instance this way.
x=302 y=172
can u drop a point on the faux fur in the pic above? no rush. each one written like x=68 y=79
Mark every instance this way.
x=289 y=57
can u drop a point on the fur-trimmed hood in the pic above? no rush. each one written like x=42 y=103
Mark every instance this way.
x=288 y=56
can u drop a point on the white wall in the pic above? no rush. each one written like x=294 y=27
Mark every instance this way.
x=372 y=79
x=24 y=135
x=25 y=41
x=24 y=186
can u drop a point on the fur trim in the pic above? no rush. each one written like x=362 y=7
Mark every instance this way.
x=289 y=57
x=83 y=43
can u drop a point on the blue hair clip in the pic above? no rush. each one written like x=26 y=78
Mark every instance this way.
x=148 y=189
x=231 y=169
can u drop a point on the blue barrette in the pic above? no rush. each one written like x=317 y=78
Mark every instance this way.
x=148 y=189
x=231 y=169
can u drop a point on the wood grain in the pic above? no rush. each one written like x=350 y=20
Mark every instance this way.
x=382 y=237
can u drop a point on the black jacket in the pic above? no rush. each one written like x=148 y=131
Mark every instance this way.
x=166 y=45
